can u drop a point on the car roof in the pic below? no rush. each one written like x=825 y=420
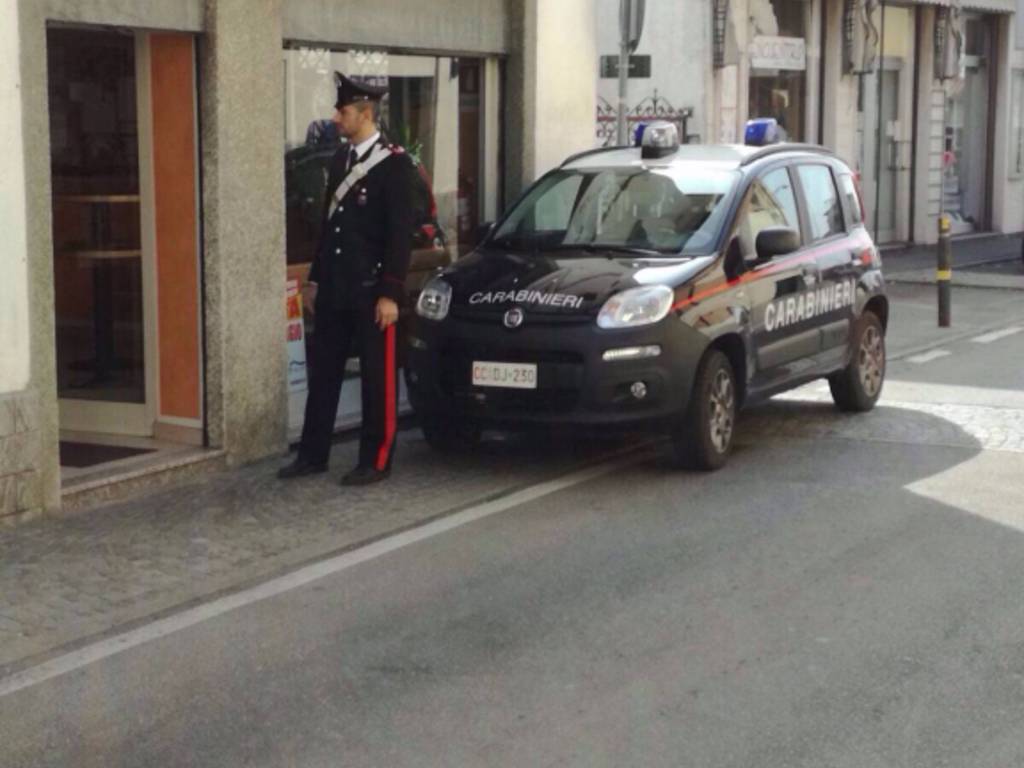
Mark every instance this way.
x=723 y=156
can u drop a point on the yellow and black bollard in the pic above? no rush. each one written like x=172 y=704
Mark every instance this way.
x=944 y=269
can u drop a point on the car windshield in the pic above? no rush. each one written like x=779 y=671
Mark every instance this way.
x=668 y=210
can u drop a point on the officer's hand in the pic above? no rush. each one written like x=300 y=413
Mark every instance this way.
x=387 y=312
x=309 y=297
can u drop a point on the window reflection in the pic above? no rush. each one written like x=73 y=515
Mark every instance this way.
x=433 y=109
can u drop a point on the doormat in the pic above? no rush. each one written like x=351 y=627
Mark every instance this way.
x=81 y=455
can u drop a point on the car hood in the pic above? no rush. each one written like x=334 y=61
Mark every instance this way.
x=561 y=282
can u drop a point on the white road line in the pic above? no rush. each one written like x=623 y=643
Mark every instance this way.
x=111 y=646
x=927 y=357
x=1002 y=333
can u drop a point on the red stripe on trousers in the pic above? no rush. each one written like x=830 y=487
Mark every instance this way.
x=389 y=399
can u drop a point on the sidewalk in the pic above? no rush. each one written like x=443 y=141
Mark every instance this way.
x=68 y=579
x=993 y=261
x=65 y=579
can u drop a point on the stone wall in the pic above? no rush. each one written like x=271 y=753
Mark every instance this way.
x=20 y=490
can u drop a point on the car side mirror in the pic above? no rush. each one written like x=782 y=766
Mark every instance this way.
x=484 y=230
x=733 y=264
x=776 y=241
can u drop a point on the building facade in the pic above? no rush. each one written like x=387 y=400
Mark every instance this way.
x=160 y=190
x=922 y=98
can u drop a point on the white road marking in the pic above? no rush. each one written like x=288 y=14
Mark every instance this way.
x=102 y=649
x=927 y=357
x=1002 y=333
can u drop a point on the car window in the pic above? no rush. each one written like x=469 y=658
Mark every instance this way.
x=667 y=210
x=849 y=190
x=770 y=202
x=824 y=211
x=553 y=209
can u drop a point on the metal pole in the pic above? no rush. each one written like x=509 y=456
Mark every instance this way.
x=623 y=80
x=944 y=269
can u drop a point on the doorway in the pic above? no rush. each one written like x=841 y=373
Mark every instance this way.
x=124 y=178
x=966 y=156
x=885 y=126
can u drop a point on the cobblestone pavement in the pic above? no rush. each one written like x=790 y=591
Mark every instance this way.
x=73 y=578
x=808 y=414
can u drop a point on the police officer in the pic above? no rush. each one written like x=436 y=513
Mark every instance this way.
x=358 y=277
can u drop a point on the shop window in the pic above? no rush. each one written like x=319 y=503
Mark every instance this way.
x=824 y=211
x=443 y=111
x=434 y=108
x=777 y=74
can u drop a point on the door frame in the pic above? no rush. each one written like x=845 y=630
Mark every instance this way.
x=135 y=419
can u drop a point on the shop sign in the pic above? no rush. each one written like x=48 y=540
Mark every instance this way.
x=296 y=336
x=778 y=53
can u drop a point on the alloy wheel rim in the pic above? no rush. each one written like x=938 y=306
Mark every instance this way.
x=722 y=404
x=871 y=361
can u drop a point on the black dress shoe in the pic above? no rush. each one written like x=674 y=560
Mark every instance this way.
x=365 y=476
x=300 y=468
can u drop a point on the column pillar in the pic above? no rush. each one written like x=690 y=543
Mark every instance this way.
x=552 y=100
x=29 y=463
x=243 y=224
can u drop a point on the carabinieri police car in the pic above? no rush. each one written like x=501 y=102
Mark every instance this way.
x=659 y=285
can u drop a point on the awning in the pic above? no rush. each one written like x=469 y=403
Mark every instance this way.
x=988 y=6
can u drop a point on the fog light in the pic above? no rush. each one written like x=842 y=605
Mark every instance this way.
x=631 y=353
x=638 y=390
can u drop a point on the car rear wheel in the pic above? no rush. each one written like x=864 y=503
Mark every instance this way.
x=703 y=438
x=449 y=436
x=858 y=386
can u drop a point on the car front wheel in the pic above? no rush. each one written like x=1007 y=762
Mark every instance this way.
x=703 y=438
x=858 y=386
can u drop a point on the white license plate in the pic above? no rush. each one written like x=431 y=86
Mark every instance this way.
x=513 y=375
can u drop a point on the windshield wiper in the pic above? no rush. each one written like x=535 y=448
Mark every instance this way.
x=611 y=247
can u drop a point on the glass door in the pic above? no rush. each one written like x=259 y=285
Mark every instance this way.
x=99 y=269
x=885 y=125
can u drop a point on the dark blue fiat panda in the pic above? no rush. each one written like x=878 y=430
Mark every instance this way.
x=658 y=285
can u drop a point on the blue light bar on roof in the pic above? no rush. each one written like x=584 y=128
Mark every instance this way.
x=761 y=131
x=638 y=134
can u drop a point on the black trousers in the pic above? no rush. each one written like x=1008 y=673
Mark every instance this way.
x=337 y=335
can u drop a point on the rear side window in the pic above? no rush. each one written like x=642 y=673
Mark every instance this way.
x=849 y=190
x=824 y=211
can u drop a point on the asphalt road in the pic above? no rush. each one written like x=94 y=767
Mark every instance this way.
x=846 y=592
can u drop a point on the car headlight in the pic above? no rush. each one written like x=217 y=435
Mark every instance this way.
x=434 y=300
x=636 y=306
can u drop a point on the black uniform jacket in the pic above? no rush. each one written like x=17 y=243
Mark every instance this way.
x=364 y=248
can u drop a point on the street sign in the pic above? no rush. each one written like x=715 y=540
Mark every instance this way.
x=639 y=66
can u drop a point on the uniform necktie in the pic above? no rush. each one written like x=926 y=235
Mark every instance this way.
x=353 y=157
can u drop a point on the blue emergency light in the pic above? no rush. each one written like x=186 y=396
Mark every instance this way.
x=638 y=134
x=761 y=131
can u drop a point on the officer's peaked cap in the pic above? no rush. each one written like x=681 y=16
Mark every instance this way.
x=352 y=91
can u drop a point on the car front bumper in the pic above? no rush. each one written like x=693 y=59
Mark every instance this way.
x=575 y=385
